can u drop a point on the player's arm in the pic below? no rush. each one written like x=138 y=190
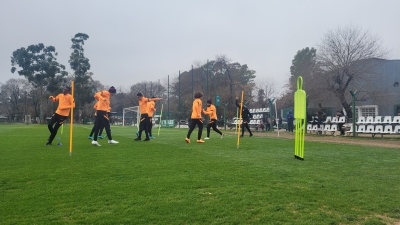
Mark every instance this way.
x=237 y=102
x=53 y=99
x=154 y=99
x=99 y=97
x=208 y=111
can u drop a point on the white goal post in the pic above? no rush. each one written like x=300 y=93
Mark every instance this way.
x=131 y=109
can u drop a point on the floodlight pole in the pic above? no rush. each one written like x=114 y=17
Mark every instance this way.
x=208 y=94
x=354 y=95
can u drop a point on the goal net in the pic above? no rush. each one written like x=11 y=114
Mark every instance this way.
x=131 y=116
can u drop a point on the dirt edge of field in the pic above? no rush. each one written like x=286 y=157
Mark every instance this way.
x=387 y=141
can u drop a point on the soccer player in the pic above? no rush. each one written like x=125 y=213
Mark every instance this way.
x=65 y=103
x=196 y=118
x=246 y=116
x=103 y=98
x=144 y=116
x=151 y=109
x=212 y=112
x=94 y=125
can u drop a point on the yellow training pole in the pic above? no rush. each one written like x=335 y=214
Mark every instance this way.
x=159 y=123
x=240 y=119
x=72 y=120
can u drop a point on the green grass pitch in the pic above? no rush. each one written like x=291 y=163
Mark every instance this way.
x=167 y=181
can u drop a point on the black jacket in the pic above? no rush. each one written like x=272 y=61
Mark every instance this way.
x=246 y=115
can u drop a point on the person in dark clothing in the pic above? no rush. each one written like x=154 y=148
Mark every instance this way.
x=246 y=117
x=290 y=119
x=340 y=125
x=268 y=124
x=320 y=114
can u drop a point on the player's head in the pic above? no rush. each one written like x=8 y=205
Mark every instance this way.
x=139 y=96
x=66 y=90
x=209 y=102
x=112 y=90
x=198 y=94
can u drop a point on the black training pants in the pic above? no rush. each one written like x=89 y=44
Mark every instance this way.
x=198 y=122
x=58 y=120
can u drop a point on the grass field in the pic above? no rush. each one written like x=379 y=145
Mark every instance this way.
x=166 y=181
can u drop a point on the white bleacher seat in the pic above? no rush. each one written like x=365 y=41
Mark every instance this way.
x=396 y=119
x=370 y=129
x=396 y=129
x=378 y=130
x=360 y=129
x=387 y=130
x=351 y=130
x=361 y=120
x=327 y=128
x=314 y=128
x=333 y=128
x=328 y=119
x=254 y=121
x=369 y=120
x=342 y=119
x=309 y=126
x=387 y=119
x=334 y=120
x=378 y=120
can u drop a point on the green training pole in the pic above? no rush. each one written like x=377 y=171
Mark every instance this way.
x=300 y=116
x=159 y=124
x=62 y=128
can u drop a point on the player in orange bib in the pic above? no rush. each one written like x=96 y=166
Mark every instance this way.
x=65 y=103
x=151 y=110
x=212 y=112
x=144 y=116
x=102 y=120
x=196 y=118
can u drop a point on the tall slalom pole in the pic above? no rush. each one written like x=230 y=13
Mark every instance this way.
x=240 y=120
x=159 y=123
x=72 y=120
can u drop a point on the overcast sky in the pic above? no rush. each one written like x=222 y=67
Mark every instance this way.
x=135 y=41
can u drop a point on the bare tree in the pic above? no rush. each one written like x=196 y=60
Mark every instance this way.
x=345 y=57
x=14 y=95
x=263 y=91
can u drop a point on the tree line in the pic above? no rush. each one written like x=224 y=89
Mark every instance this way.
x=341 y=60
